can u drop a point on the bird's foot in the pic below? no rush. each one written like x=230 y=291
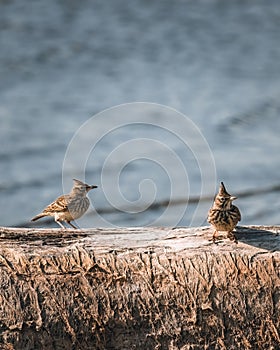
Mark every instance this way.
x=214 y=237
x=232 y=237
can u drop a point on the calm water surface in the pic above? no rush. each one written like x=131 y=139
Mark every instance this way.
x=216 y=62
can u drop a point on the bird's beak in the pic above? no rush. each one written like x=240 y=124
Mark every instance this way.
x=232 y=198
x=91 y=187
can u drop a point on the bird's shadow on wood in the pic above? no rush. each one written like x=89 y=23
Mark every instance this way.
x=260 y=236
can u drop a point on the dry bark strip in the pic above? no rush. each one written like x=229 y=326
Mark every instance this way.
x=139 y=288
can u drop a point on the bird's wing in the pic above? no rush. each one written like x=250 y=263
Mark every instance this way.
x=212 y=213
x=59 y=205
x=237 y=212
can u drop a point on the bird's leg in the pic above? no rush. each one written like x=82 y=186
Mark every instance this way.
x=68 y=222
x=214 y=236
x=232 y=236
x=60 y=224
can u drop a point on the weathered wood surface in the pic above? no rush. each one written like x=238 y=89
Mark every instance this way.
x=139 y=288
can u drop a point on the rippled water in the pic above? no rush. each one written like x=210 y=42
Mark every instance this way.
x=216 y=62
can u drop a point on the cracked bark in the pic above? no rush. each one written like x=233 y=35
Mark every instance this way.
x=139 y=288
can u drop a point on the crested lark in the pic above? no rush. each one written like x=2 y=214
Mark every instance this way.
x=223 y=215
x=70 y=206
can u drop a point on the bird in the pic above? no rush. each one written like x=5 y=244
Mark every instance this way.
x=70 y=206
x=223 y=215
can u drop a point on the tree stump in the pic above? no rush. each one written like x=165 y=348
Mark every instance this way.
x=139 y=288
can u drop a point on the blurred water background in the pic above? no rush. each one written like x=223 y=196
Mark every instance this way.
x=217 y=62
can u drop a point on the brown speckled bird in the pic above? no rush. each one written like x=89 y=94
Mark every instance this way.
x=223 y=215
x=69 y=206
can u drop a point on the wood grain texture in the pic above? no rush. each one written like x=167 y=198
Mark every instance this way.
x=139 y=288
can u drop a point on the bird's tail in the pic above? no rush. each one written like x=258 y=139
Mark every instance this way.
x=39 y=216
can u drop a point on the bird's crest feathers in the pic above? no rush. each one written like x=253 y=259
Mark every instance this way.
x=78 y=183
x=222 y=191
